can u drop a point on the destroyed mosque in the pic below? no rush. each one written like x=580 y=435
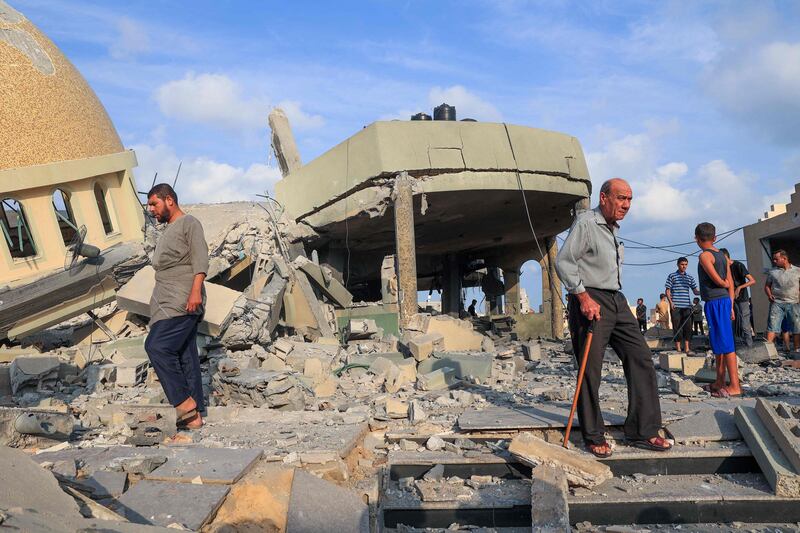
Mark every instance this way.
x=336 y=400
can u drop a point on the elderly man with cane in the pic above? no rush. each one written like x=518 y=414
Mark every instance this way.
x=590 y=266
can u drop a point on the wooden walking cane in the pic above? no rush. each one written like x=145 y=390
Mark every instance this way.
x=586 y=346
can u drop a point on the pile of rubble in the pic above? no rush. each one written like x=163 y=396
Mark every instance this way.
x=298 y=374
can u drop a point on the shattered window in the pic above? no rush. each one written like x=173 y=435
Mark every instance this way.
x=102 y=206
x=65 y=216
x=16 y=231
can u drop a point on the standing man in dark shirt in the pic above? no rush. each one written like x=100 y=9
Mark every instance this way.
x=590 y=266
x=741 y=298
x=177 y=305
x=641 y=315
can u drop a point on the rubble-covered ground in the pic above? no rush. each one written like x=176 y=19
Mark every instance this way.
x=285 y=402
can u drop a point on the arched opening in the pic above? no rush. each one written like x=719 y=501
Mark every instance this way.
x=102 y=207
x=65 y=215
x=16 y=231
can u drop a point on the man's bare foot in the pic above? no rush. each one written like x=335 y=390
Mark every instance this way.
x=727 y=392
x=186 y=406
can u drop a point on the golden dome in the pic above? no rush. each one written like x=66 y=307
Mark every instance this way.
x=48 y=113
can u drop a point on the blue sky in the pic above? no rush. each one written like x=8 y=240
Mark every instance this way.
x=695 y=103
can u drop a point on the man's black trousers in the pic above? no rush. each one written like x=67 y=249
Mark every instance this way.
x=617 y=327
x=171 y=346
x=682 y=323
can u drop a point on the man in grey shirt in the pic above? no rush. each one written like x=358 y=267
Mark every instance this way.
x=589 y=265
x=783 y=290
x=177 y=305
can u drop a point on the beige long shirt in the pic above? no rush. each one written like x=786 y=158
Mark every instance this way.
x=181 y=254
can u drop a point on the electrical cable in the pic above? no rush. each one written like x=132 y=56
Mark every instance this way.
x=693 y=254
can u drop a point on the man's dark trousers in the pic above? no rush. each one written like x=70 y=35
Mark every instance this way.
x=171 y=346
x=617 y=327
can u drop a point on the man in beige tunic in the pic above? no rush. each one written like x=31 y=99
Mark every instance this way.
x=177 y=305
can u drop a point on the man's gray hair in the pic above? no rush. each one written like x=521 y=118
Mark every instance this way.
x=605 y=188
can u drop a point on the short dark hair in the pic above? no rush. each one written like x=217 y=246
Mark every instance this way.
x=662 y=296
x=725 y=251
x=705 y=231
x=162 y=190
x=697 y=299
x=640 y=300
x=782 y=252
x=681 y=260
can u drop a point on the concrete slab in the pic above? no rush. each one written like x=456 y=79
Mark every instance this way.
x=549 y=509
x=475 y=364
x=135 y=295
x=783 y=422
x=211 y=465
x=326 y=282
x=774 y=464
x=25 y=484
x=707 y=425
x=580 y=469
x=318 y=505
x=543 y=416
x=458 y=334
x=105 y=484
x=161 y=503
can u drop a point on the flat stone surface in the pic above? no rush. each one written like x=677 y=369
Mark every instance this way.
x=106 y=484
x=506 y=494
x=211 y=465
x=706 y=425
x=162 y=503
x=318 y=505
x=105 y=458
x=549 y=510
x=281 y=433
x=543 y=416
x=25 y=484
x=580 y=468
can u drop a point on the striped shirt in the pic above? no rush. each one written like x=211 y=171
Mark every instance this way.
x=680 y=288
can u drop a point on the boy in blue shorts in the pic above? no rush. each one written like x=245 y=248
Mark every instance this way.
x=716 y=290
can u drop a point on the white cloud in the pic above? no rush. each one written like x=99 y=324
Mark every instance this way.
x=131 y=40
x=217 y=100
x=201 y=179
x=467 y=104
x=760 y=87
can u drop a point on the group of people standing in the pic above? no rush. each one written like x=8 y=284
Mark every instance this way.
x=675 y=311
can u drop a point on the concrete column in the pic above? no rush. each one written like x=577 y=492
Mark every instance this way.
x=405 y=243
x=552 y=307
x=512 y=295
x=451 y=289
x=283 y=142
x=495 y=301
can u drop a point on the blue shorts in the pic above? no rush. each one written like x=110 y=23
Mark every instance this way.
x=720 y=327
x=779 y=313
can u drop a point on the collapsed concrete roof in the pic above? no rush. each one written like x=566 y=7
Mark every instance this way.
x=467 y=199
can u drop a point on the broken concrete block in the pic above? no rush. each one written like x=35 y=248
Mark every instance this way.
x=407 y=372
x=135 y=296
x=476 y=364
x=783 y=422
x=274 y=363
x=775 y=466
x=381 y=366
x=416 y=413
x=323 y=278
x=532 y=351
x=434 y=444
x=671 y=361
x=361 y=328
x=549 y=509
x=318 y=505
x=685 y=387
x=692 y=365
x=161 y=503
x=326 y=388
x=104 y=484
x=487 y=345
x=131 y=373
x=581 y=469
x=396 y=408
x=314 y=368
x=759 y=352
x=439 y=379
x=5 y=380
x=458 y=334
x=422 y=346
x=708 y=374
x=32 y=371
